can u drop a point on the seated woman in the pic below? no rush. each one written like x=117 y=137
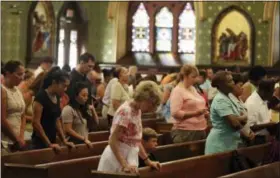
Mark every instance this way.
x=74 y=114
x=12 y=109
x=188 y=108
x=121 y=155
x=225 y=117
x=46 y=117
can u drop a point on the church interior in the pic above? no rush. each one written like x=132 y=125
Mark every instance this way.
x=142 y=89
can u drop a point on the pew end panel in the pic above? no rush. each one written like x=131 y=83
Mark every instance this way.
x=266 y=171
x=73 y=168
x=13 y=170
x=210 y=166
x=99 y=174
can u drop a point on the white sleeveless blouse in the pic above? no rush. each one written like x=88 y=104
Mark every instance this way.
x=15 y=109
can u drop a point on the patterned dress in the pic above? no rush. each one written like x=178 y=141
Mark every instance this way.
x=129 y=140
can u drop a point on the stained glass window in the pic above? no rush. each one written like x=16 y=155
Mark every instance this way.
x=186 y=35
x=73 y=49
x=164 y=24
x=60 y=61
x=140 y=30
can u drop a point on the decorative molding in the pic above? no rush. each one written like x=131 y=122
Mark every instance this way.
x=268 y=11
x=199 y=6
x=112 y=10
x=272 y=32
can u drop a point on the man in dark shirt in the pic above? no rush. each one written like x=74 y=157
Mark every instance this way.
x=79 y=74
x=149 y=142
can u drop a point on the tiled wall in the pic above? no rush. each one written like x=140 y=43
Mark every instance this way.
x=101 y=30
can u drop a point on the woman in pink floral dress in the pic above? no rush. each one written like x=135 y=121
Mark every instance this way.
x=121 y=155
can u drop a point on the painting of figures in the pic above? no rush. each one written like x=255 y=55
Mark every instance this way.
x=42 y=31
x=232 y=39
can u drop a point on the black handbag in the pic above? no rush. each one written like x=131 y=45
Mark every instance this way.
x=240 y=163
x=274 y=152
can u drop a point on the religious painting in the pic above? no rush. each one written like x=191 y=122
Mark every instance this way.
x=232 y=40
x=42 y=30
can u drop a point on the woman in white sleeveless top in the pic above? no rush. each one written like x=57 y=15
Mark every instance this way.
x=119 y=93
x=12 y=108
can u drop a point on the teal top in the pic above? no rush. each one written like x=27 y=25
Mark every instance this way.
x=222 y=136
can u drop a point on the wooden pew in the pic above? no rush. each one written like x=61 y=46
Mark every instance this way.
x=163 y=127
x=213 y=166
x=156 y=124
x=270 y=126
x=81 y=167
x=47 y=155
x=266 y=171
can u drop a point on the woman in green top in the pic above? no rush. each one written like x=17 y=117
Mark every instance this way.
x=225 y=117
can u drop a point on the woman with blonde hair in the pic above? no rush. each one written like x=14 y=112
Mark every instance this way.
x=188 y=108
x=121 y=155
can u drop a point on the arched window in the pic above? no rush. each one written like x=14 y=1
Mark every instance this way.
x=164 y=24
x=71 y=34
x=162 y=30
x=140 y=30
x=186 y=33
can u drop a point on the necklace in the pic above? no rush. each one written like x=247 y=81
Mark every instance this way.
x=53 y=98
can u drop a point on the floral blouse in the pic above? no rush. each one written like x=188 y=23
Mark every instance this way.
x=127 y=118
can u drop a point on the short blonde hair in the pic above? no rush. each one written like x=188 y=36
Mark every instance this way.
x=187 y=70
x=148 y=91
x=149 y=133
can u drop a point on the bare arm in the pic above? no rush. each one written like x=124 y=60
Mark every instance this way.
x=22 y=126
x=166 y=95
x=236 y=122
x=37 y=114
x=5 y=126
x=59 y=129
x=94 y=115
x=116 y=104
x=114 y=142
x=69 y=130
x=142 y=152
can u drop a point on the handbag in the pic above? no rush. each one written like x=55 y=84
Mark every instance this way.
x=240 y=162
x=274 y=151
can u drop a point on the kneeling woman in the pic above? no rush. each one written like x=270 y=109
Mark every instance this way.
x=121 y=155
x=74 y=114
